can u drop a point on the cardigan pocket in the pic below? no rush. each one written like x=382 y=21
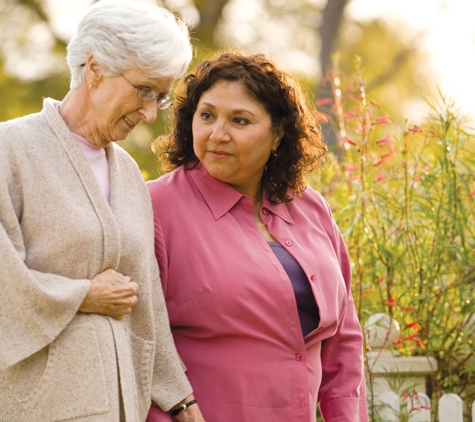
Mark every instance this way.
x=142 y=356
x=73 y=383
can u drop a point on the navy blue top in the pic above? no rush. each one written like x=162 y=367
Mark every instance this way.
x=306 y=305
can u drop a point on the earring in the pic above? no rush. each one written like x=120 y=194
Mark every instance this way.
x=89 y=87
x=274 y=152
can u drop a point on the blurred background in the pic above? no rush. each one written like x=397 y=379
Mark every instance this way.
x=412 y=52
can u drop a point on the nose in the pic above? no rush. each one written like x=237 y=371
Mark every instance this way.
x=149 y=111
x=220 y=132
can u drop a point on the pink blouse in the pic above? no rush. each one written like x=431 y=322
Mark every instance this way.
x=99 y=162
x=233 y=311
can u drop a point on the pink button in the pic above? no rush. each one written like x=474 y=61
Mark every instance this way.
x=312 y=278
x=288 y=242
x=298 y=356
x=264 y=211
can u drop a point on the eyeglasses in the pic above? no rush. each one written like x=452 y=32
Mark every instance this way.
x=146 y=94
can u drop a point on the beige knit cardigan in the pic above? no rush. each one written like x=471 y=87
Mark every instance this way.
x=57 y=231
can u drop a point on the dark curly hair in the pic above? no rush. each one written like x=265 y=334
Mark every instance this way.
x=301 y=149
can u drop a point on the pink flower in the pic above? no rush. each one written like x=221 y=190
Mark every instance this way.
x=415 y=129
x=386 y=140
x=375 y=103
x=388 y=154
x=382 y=120
x=350 y=169
x=324 y=101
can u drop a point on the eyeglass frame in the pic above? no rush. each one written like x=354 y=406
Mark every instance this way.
x=163 y=102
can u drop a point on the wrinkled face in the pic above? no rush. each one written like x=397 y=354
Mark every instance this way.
x=233 y=136
x=117 y=109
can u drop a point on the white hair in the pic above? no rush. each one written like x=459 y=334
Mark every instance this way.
x=129 y=34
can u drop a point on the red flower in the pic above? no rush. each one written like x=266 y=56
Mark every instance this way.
x=415 y=340
x=409 y=308
x=348 y=141
x=390 y=301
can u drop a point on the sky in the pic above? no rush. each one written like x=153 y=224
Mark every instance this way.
x=444 y=27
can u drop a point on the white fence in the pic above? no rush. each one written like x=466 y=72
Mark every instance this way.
x=417 y=408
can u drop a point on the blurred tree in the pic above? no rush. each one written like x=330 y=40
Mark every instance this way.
x=210 y=12
x=329 y=30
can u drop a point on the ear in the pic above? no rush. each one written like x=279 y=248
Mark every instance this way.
x=93 y=71
x=279 y=133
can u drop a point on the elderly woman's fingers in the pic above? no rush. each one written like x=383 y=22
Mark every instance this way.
x=111 y=293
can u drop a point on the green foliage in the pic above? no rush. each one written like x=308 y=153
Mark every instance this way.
x=405 y=204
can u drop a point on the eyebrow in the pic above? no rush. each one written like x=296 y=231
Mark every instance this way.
x=238 y=110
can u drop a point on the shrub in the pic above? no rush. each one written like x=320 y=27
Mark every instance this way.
x=404 y=200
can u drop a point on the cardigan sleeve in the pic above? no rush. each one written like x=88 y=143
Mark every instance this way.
x=34 y=306
x=342 y=395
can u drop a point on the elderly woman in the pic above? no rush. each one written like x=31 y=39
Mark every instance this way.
x=254 y=269
x=84 y=331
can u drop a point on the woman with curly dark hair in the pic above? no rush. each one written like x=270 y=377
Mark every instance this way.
x=255 y=272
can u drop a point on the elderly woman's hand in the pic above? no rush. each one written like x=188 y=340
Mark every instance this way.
x=112 y=294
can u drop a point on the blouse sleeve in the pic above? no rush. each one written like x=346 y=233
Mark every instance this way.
x=342 y=395
x=169 y=368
